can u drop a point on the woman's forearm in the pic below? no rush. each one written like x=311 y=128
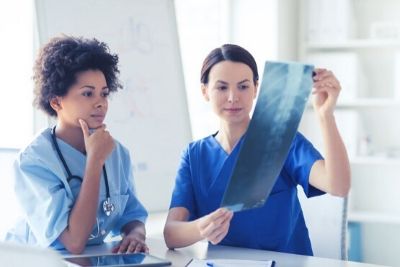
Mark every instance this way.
x=181 y=234
x=337 y=166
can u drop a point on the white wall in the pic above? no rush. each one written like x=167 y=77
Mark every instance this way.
x=16 y=112
x=16 y=71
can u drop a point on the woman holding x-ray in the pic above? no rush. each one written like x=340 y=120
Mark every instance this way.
x=74 y=181
x=229 y=82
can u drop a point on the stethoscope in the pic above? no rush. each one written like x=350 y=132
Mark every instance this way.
x=108 y=207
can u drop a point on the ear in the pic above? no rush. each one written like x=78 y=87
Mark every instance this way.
x=55 y=104
x=204 y=92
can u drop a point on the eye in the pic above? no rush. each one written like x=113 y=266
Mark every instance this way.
x=105 y=94
x=243 y=86
x=87 y=93
x=222 y=87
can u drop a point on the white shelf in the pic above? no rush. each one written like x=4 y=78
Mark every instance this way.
x=366 y=103
x=375 y=160
x=373 y=217
x=370 y=102
x=353 y=44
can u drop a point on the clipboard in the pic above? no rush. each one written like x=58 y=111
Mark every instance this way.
x=283 y=95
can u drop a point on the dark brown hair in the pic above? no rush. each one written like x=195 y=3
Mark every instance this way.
x=230 y=52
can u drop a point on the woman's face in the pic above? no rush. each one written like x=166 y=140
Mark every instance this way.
x=87 y=99
x=231 y=91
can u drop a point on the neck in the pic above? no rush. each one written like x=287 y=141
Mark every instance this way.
x=230 y=133
x=71 y=135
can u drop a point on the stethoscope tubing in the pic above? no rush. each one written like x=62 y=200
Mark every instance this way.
x=70 y=176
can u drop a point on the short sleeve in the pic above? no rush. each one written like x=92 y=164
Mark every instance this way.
x=183 y=194
x=134 y=210
x=43 y=198
x=301 y=158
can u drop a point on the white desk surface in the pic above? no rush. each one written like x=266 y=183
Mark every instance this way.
x=201 y=250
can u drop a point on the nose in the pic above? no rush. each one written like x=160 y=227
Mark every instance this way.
x=101 y=102
x=232 y=97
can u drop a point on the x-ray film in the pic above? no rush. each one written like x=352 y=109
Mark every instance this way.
x=283 y=95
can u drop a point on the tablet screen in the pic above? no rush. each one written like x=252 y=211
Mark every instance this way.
x=135 y=259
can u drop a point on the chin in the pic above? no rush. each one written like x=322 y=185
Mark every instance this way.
x=94 y=125
x=234 y=120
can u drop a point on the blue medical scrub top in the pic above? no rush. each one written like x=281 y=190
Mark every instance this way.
x=46 y=198
x=279 y=225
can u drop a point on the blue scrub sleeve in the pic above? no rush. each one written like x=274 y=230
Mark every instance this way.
x=43 y=198
x=301 y=158
x=183 y=194
x=134 y=210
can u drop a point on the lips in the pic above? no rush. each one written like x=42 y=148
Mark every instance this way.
x=233 y=110
x=98 y=117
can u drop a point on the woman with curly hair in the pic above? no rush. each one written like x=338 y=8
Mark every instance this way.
x=74 y=181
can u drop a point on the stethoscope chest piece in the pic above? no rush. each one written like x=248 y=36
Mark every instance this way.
x=108 y=207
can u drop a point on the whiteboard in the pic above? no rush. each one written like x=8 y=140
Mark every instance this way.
x=149 y=115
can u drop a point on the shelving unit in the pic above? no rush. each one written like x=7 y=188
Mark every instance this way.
x=353 y=44
x=367 y=62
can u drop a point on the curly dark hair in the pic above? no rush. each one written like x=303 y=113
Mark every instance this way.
x=62 y=58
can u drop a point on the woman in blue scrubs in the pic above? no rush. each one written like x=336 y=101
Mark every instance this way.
x=74 y=181
x=229 y=82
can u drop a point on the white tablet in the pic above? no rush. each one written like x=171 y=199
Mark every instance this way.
x=112 y=260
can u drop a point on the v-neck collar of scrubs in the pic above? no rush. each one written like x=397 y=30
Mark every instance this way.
x=70 y=148
x=74 y=158
x=220 y=147
x=221 y=158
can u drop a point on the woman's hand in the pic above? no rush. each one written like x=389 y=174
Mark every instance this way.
x=99 y=144
x=132 y=243
x=215 y=225
x=326 y=91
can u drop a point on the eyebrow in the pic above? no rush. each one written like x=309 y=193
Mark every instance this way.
x=92 y=87
x=245 y=80
x=219 y=81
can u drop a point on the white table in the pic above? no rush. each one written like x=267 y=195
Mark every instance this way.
x=201 y=250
